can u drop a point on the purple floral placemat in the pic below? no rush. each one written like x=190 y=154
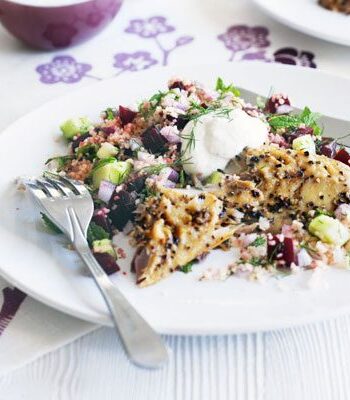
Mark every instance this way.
x=243 y=42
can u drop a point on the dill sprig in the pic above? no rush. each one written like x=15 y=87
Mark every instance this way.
x=157 y=168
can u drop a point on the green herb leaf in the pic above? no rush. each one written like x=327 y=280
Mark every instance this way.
x=154 y=101
x=103 y=162
x=187 y=267
x=259 y=241
x=88 y=151
x=255 y=261
x=320 y=211
x=50 y=225
x=182 y=179
x=96 y=232
x=222 y=88
x=61 y=161
x=290 y=122
x=110 y=113
x=284 y=121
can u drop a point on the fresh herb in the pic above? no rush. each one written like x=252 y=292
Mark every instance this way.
x=157 y=168
x=88 y=151
x=290 y=122
x=103 y=162
x=96 y=232
x=110 y=113
x=277 y=249
x=158 y=97
x=154 y=102
x=147 y=191
x=255 y=261
x=187 y=267
x=320 y=211
x=182 y=178
x=305 y=246
x=223 y=89
x=61 y=161
x=261 y=102
x=51 y=226
x=259 y=241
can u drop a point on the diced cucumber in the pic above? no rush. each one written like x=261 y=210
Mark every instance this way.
x=113 y=171
x=103 y=246
x=329 y=230
x=214 y=178
x=73 y=126
x=304 y=143
x=107 y=150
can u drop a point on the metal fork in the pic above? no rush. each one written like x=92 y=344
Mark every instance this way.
x=69 y=204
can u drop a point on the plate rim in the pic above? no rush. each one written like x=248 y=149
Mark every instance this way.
x=103 y=320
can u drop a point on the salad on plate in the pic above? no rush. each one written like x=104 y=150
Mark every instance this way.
x=193 y=169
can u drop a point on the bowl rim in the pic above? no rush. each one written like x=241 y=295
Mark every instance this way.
x=49 y=4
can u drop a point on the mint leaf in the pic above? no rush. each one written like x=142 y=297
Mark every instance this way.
x=284 y=121
x=187 y=267
x=291 y=122
x=259 y=241
x=96 y=232
x=255 y=261
x=320 y=211
x=222 y=88
x=88 y=151
x=110 y=114
x=51 y=226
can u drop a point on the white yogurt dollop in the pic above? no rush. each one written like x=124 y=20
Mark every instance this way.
x=218 y=139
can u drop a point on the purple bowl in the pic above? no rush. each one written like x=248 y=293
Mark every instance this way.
x=56 y=24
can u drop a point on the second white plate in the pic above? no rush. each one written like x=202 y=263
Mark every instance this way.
x=309 y=17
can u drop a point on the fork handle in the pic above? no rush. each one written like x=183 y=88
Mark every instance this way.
x=142 y=344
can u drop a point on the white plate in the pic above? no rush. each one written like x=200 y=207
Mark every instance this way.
x=309 y=17
x=41 y=265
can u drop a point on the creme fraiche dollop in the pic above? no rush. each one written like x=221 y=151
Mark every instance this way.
x=212 y=140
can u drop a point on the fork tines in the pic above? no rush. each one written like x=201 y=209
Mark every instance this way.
x=54 y=185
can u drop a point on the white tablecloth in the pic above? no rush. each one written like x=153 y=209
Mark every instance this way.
x=310 y=362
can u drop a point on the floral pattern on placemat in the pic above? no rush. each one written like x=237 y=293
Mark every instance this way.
x=63 y=69
x=13 y=299
x=152 y=28
x=247 y=43
x=66 y=69
x=133 y=62
x=244 y=43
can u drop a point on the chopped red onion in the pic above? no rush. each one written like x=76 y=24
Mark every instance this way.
x=342 y=211
x=304 y=258
x=170 y=174
x=284 y=109
x=105 y=191
x=171 y=134
x=145 y=157
x=170 y=184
